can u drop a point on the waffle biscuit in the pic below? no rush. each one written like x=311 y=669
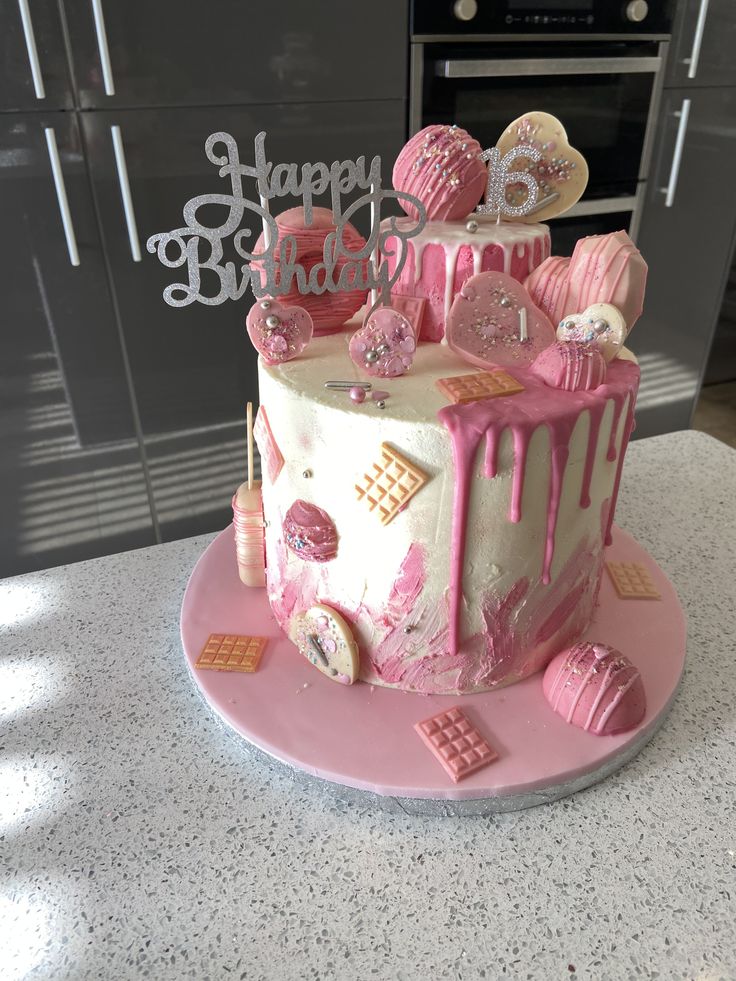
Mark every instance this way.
x=231 y=652
x=631 y=580
x=390 y=484
x=456 y=743
x=480 y=385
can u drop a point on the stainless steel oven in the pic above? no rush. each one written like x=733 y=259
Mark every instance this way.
x=596 y=64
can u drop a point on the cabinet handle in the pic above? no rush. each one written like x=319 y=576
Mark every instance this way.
x=25 y=16
x=669 y=191
x=66 y=216
x=119 y=149
x=102 y=47
x=694 y=58
x=501 y=67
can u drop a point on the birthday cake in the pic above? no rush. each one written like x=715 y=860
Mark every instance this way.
x=440 y=467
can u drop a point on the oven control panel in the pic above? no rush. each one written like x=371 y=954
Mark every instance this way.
x=451 y=17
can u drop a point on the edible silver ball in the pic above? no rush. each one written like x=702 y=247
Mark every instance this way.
x=306 y=473
x=371 y=356
x=265 y=304
x=505 y=301
x=273 y=321
x=381 y=404
x=383 y=349
x=471 y=226
x=600 y=325
x=408 y=630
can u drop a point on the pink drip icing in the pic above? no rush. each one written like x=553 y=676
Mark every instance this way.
x=523 y=413
x=593 y=434
x=628 y=430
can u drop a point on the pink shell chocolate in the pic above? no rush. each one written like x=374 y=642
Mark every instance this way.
x=602 y=269
x=574 y=366
x=329 y=311
x=441 y=166
x=596 y=688
x=310 y=532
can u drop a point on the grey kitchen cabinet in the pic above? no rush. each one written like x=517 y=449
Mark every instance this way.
x=72 y=483
x=687 y=237
x=34 y=72
x=170 y=53
x=703 y=48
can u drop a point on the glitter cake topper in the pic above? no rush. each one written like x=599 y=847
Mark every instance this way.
x=198 y=246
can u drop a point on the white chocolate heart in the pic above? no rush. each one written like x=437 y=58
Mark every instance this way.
x=327 y=642
x=601 y=323
x=561 y=172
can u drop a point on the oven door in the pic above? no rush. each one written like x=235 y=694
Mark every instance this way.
x=605 y=93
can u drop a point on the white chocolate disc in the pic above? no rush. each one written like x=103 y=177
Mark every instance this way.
x=325 y=639
x=600 y=323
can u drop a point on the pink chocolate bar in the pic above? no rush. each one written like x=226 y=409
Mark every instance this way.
x=456 y=743
x=412 y=307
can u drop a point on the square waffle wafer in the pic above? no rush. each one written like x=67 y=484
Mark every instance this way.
x=632 y=580
x=231 y=652
x=390 y=484
x=456 y=743
x=480 y=385
x=271 y=456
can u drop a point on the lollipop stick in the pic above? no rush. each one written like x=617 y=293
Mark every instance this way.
x=249 y=417
x=374 y=253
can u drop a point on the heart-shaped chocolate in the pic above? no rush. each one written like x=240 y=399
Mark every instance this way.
x=278 y=333
x=494 y=322
x=384 y=346
x=561 y=172
x=601 y=324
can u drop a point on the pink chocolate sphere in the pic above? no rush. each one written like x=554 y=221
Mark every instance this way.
x=596 y=688
x=441 y=166
x=575 y=366
x=329 y=311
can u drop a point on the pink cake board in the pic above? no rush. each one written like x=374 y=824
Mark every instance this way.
x=362 y=736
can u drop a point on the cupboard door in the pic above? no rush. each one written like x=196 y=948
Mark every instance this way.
x=71 y=480
x=686 y=237
x=181 y=52
x=703 y=44
x=193 y=367
x=34 y=71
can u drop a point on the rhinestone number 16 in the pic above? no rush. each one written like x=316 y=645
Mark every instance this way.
x=499 y=177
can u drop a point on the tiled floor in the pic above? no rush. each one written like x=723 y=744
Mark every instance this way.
x=716 y=412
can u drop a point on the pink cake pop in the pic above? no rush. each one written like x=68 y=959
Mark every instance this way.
x=441 y=166
x=593 y=686
x=575 y=366
x=329 y=311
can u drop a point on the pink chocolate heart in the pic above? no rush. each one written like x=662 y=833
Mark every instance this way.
x=278 y=333
x=384 y=346
x=486 y=323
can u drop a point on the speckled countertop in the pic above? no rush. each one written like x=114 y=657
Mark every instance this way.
x=138 y=839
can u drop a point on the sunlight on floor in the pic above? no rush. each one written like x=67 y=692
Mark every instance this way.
x=25 y=932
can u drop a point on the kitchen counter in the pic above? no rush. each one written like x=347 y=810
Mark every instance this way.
x=139 y=838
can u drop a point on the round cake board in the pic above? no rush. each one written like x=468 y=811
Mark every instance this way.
x=362 y=736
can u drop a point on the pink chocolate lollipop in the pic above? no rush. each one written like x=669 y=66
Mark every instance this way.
x=441 y=166
x=603 y=269
x=384 y=346
x=575 y=366
x=278 y=333
x=494 y=322
x=329 y=311
x=596 y=688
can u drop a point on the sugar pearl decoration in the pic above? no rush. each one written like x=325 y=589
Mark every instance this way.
x=505 y=301
x=600 y=325
x=371 y=356
x=472 y=226
x=306 y=474
x=265 y=304
x=381 y=404
x=357 y=394
x=273 y=321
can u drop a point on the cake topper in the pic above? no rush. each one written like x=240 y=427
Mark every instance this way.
x=198 y=246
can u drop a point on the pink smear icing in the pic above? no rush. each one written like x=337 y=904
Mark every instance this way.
x=310 y=532
x=537 y=405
